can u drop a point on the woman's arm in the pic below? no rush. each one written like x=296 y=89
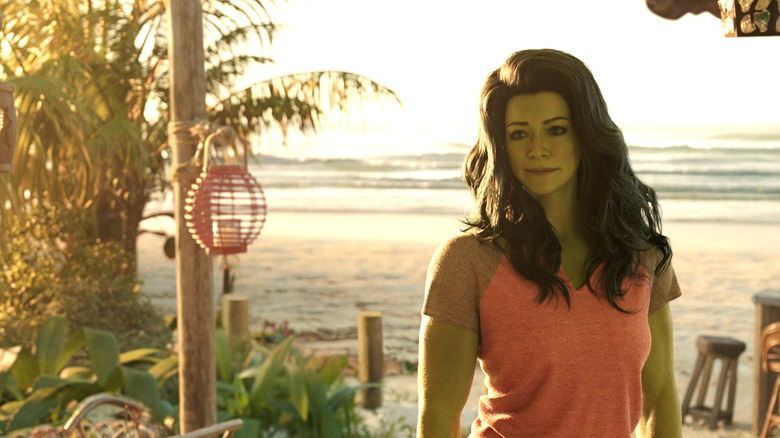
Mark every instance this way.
x=448 y=356
x=661 y=416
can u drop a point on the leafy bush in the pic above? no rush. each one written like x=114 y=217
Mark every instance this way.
x=38 y=386
x=278 y=392
x=51 y=268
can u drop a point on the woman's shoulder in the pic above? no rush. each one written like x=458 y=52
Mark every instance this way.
x=650 y=257
x=466 y=252
x=469 y=245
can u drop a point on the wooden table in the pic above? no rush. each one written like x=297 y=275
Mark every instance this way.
x=767 y=312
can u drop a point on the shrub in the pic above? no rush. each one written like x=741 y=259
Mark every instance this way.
x=37 y=385
x=50 y=268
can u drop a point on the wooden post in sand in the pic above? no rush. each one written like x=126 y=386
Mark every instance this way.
x=371 y=360
x=235 y=320
x=194 y=281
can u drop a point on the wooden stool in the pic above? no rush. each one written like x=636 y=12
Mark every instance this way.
x=727 y=350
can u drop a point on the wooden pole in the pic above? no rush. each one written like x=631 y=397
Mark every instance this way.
x=371 y=361
x=194 y=281
x=235 y=320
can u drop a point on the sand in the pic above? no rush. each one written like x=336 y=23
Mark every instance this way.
x=318 y=271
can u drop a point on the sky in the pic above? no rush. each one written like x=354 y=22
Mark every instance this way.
x=436 y=54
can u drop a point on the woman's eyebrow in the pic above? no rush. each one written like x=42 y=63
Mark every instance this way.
x=546 y=122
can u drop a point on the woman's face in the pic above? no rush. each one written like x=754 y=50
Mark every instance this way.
x=541 y=145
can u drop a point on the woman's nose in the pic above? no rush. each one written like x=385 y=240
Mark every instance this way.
x=537 y=148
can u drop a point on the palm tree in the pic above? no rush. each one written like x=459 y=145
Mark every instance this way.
x=91 y=81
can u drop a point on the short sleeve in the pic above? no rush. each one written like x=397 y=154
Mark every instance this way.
x=665 y=287
x=458 y=274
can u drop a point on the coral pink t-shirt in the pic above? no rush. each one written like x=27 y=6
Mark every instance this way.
x=551 y=370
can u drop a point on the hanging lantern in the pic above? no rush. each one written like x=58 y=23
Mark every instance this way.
x=7 y=127
x=750 y=17
x=225 y=208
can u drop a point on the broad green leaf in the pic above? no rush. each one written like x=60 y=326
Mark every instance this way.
x=167 y=410
x=37 y=406
x=346 y=394
x=266 y=373
x=103 y=353
x=72 y=344
x=229 y=389
x=224 y=356
x=114 y=381
x=327 y=425
x=140 y=355
x=252 y=428
x=48 y=381
x=30 y=412
x=7 y=360
x=165 y=367
x=48 y=345
x=288 y=409
x=12 y=389
x=76 y=372
x=331 y=372
x=7 y=410
x=296 y=384
x=142 y=386
x=26 y=369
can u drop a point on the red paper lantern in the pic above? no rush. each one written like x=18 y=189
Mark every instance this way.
x=225 y=209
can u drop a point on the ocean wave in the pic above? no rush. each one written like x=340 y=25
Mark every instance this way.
x=429 y=179
x=770 y=147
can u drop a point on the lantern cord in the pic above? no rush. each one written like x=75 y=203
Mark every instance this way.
x=192 y=132
x=223 y=135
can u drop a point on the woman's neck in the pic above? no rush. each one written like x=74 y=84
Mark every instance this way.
x=562 y=213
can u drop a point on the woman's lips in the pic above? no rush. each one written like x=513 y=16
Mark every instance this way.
x=540 y=171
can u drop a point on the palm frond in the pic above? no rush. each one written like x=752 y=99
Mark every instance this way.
x=93 y=96
x=298 y=101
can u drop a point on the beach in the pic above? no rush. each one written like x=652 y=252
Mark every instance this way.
x=318 y=271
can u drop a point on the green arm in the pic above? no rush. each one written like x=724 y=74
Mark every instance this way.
x=448 y=356
x=661 y=417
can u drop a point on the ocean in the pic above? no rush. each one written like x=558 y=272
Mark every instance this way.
x=713 y=174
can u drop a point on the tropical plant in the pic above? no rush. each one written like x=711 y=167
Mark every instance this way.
x=91 y=81
x=275 y=390
x=45 y=274
x=42 y=381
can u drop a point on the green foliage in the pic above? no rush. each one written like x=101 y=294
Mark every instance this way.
x=275 y=390
x=92 y=94
x=47 y=270
x=272 y=387
x=40 y=385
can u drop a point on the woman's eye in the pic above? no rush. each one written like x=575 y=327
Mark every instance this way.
x=558 y=130
x=517 y=135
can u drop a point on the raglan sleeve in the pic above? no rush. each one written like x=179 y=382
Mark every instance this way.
x=452 y=285
x=664 y=288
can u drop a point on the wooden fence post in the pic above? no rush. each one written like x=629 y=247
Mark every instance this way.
x=235 y=320
x=371 y=362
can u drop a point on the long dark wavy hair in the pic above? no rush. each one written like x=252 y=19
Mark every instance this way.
x=619 y=214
